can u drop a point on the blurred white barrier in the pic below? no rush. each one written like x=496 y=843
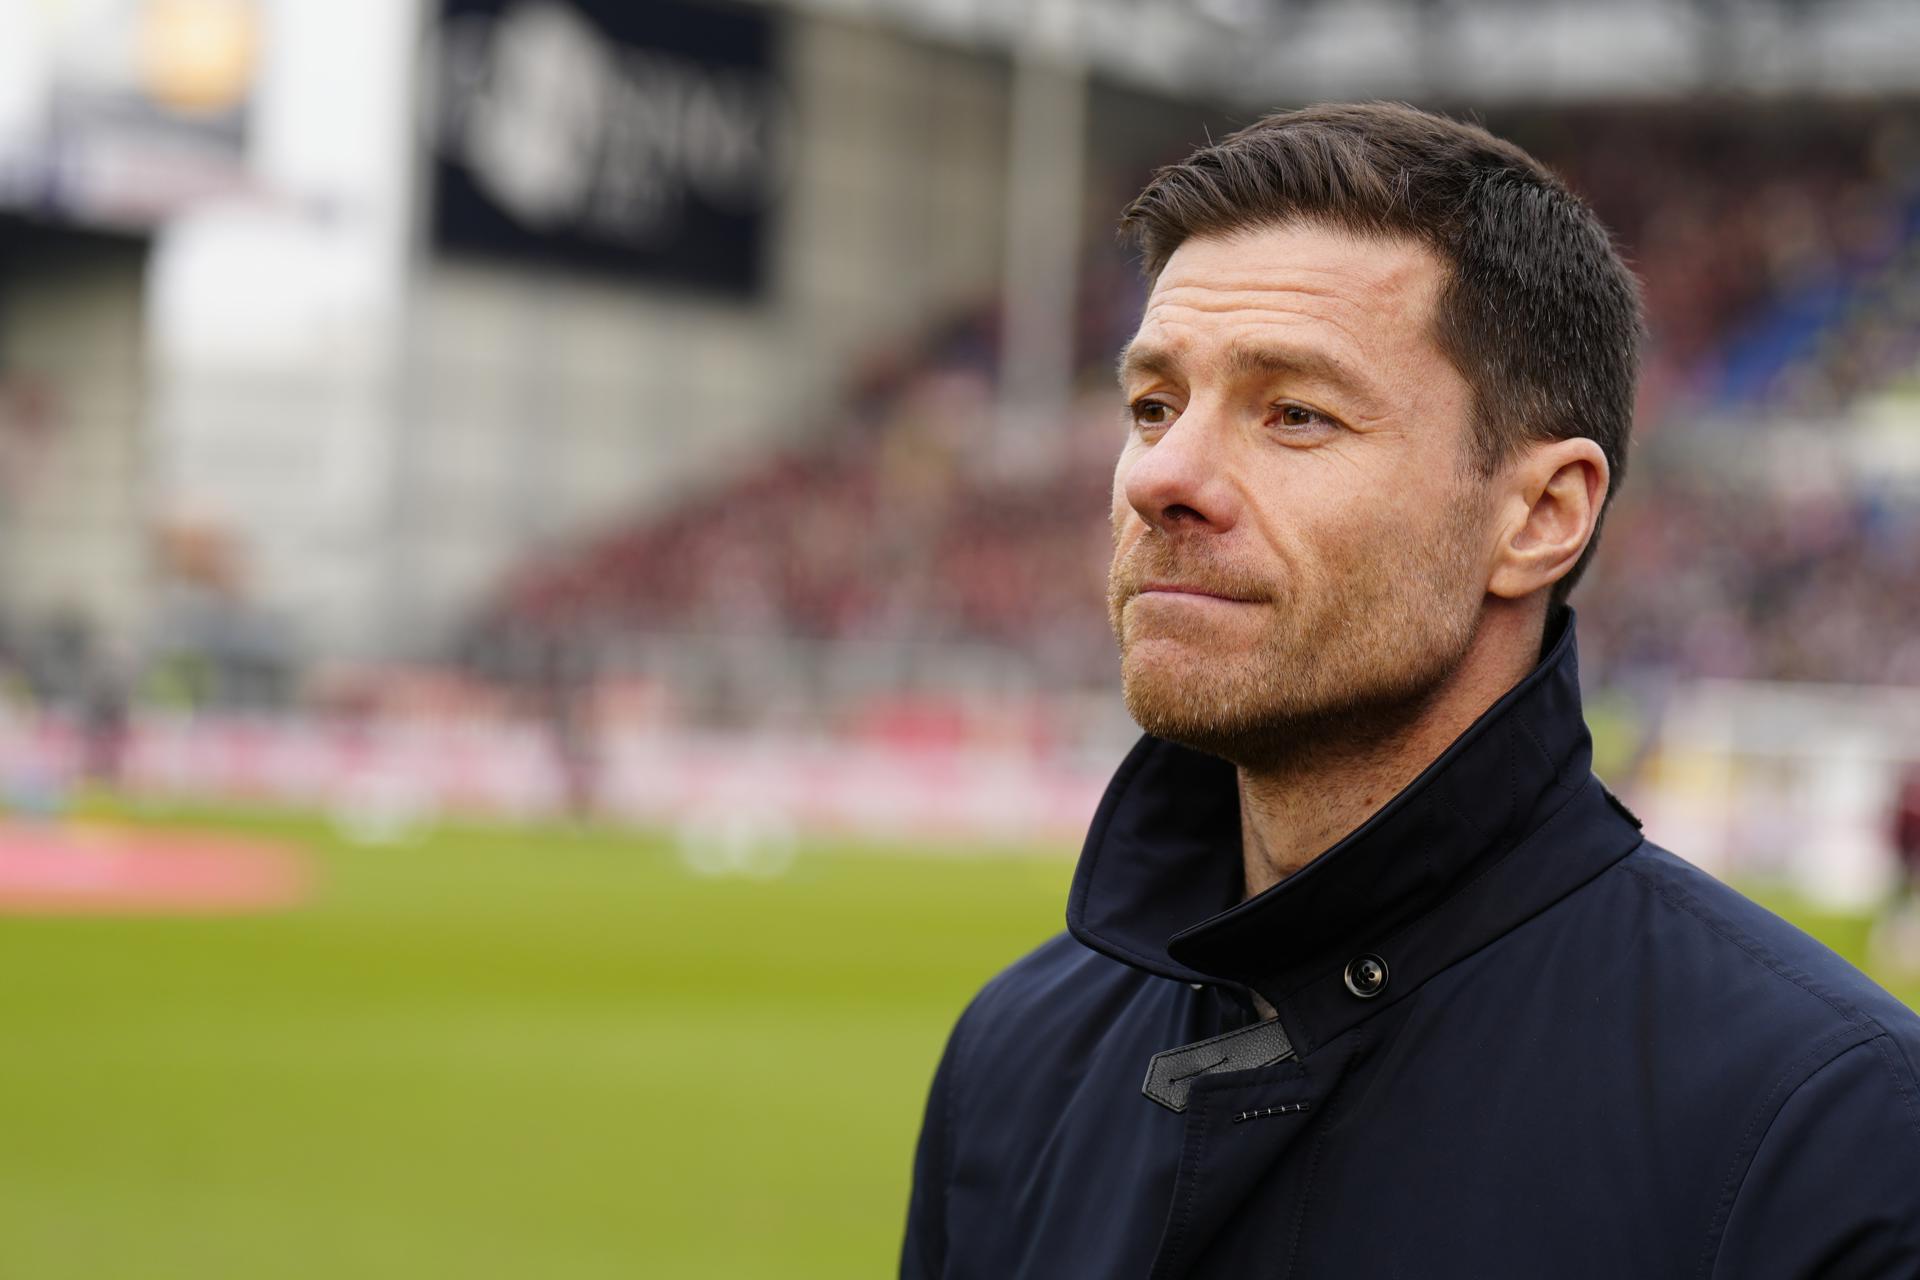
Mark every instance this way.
x=1751 y=781
x=1788 y=781
x=384 y=778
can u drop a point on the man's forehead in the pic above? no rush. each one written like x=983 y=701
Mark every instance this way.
x=1361 y=291
x=1302 y=273
x=1311 y=255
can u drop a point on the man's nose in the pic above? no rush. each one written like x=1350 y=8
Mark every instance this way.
x=1180 y=481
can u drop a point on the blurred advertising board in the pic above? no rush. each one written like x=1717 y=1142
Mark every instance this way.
x=119 y=113
x=641 y=140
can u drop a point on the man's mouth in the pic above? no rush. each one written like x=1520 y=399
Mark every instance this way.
x=1176 y=590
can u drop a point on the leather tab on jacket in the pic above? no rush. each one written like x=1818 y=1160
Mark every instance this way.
x=1171 y=1073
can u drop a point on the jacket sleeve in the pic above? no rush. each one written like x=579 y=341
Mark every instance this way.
x=924 y=1254
x=1833 y=1189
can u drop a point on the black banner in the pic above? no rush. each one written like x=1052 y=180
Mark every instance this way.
x=642 y=138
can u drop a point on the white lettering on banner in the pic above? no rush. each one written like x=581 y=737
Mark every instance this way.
x=569 y=132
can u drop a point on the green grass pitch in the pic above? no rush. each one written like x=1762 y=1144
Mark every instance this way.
x=494 y=1052
x=507 y=1052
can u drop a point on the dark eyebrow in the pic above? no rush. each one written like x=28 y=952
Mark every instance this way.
x=1254 y=359
x=1136 y=359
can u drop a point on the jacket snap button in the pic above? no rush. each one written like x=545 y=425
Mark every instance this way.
x=1367 y=976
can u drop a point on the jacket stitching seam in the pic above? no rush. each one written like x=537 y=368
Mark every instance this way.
x=1901 y=1083
x=1534 y=738
x=951 y=1107
x=1440 y=798
x=1751 y=947
x=1176 y=1241
x=950 y=1111
x=1825 y=1051
x=1313 y=1168
x=1306 y=1201
x=1561 y=782
x=1214 y=1089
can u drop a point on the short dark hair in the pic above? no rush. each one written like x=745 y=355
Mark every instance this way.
x=1538 y=312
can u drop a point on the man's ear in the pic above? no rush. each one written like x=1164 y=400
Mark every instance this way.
x=1553 y=493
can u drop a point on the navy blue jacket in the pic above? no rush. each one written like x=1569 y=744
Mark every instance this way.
x=1515 y=1039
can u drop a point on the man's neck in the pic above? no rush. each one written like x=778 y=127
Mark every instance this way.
x=1293 y=812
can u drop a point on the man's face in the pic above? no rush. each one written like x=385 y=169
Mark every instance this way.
x=1301 y=545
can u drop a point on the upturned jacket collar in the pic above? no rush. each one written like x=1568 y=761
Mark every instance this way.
x=1505 y=822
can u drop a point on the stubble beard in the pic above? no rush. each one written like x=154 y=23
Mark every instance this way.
x=1341 y=662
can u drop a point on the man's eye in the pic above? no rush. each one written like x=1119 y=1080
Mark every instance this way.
x=1150 y=413
x=1300 y=418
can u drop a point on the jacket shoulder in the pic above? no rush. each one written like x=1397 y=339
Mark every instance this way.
x=1036 y=1019
x=1810 y=988
x=1058 y=974
x=1820 y=1179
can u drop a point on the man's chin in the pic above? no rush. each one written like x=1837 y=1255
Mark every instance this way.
x=1172 y=670
x=1263 y=711
x=1186 y=695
